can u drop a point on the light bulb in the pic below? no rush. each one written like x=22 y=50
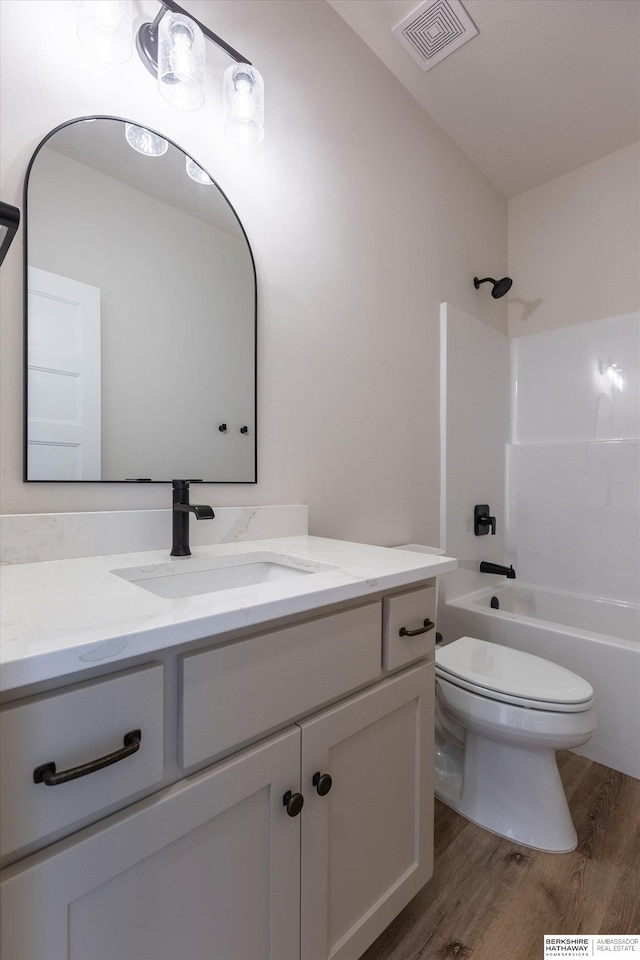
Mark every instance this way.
x=181 y=58
x=181 y=61
x=145 y=141
x=245 y=107
x=104 y=29
x=243 y=94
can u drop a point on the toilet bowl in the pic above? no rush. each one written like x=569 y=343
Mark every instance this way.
x=501 y=714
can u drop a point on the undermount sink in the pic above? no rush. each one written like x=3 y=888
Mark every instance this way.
x=191 y=576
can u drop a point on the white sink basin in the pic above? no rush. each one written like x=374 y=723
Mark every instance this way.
x=190 y=576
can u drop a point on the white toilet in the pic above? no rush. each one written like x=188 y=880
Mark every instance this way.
x=500 y=716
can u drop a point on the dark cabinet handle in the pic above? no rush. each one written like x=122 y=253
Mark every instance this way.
x=322 y=782
x=293 y=802
x=428 y=625
x=46 y=773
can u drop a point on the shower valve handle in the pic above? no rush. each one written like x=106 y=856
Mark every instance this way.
x=489 y=521
x=482 y=520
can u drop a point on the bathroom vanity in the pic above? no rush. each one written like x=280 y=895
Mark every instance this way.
x=269 y=790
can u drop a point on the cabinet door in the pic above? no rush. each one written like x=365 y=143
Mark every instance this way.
x=209 y=869
x=367 y=845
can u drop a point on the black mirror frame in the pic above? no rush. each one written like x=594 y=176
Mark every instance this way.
x=42 y=143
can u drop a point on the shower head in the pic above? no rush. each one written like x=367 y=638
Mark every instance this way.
x=500 y=287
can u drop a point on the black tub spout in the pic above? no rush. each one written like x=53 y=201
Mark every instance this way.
x=508 y=572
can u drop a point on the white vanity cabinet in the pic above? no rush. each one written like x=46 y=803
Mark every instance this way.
x=218 y=865
x=207 y=869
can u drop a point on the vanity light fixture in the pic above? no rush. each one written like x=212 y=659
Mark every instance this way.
x=172 y=48
x=197 y=173
x=243 y=93
x=104 y=29
x=145 y=141
x=180 y=61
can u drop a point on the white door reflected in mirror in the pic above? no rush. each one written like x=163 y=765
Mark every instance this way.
x=64 y=409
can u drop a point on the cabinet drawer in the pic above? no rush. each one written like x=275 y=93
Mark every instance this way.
x=408 y=612
x=72 y=727
x=233 y=693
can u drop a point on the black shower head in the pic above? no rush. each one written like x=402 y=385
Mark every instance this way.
x=500 y=287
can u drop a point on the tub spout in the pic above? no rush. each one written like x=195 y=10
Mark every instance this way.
x=508 y=572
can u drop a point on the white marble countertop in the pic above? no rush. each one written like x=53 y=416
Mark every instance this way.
x=62 y=617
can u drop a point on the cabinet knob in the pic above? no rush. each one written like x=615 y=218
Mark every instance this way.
x=322 y=782
x=293 y=802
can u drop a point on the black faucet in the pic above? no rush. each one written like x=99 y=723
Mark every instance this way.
x=508 y=572
x=181 y=510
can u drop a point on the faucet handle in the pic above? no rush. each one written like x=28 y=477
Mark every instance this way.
x=482 y=521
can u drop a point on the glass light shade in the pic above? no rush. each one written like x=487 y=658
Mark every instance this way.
x=104 y=29
x=144 y=141
x=243 y=93
x=197 y=173
x=181 y=61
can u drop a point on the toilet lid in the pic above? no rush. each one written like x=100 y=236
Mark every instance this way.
x=512 y=673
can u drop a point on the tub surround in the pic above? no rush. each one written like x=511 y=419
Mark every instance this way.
x=66 y=616
x=574 y=458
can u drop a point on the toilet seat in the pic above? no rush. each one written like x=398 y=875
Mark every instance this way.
x=512 y=676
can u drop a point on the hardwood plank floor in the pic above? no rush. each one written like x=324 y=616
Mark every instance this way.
x=492 y=899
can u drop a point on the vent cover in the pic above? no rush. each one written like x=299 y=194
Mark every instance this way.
x=434 y=30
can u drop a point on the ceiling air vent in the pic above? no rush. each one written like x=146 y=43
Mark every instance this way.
x=434 y=30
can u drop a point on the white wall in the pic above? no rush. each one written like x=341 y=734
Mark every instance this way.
x=574 y=246
x=363 y=216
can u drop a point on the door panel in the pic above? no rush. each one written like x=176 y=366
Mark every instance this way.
x=367 y=846
x=64 y=403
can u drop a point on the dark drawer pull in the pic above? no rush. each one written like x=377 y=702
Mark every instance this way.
x=47 y=772
x=428 y=625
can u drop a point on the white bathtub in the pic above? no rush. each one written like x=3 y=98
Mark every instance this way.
x=597 y=639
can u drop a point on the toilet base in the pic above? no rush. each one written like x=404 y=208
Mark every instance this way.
x=515 y=792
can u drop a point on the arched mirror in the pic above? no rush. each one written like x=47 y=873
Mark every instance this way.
x=140 y=313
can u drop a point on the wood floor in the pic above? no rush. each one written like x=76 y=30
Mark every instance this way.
x=491 y=899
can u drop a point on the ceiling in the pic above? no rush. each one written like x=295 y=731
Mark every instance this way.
x=545 y=87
